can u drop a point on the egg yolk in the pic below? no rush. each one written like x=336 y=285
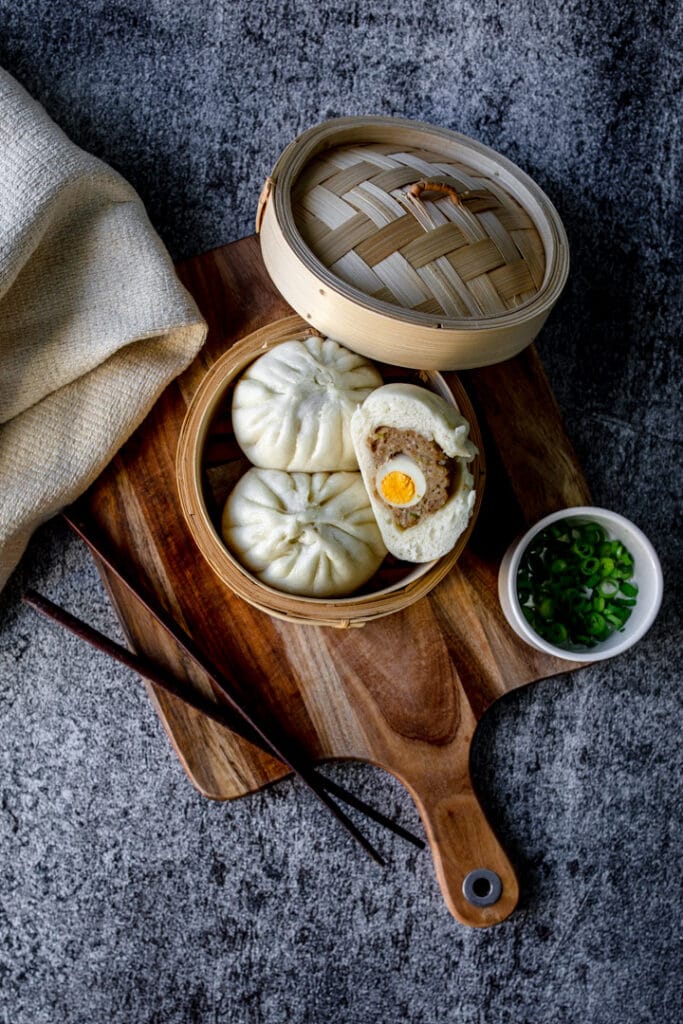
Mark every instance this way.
x=398 y=488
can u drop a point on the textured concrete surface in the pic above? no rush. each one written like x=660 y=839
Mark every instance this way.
x=126 y=897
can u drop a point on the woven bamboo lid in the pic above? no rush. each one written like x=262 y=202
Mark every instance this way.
x=411 y=244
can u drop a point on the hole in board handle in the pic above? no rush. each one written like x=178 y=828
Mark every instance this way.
x=482 y=888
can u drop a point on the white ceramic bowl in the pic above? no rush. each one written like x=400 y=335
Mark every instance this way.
x=647 y=575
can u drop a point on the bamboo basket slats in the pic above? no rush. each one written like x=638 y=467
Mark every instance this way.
x=515 y=220
x=476 y=259
x=450 y=294
x=457 y=175
x=532 y=251
x=327 y=207
x=512 y=280
x=390 y=239
x=378 y=153
x=393 y=178
x=429 y=156
x=417 y=276
x=316 y=231
x=427 y=248
x=355 y=271
x=382 y=199
x=431 y=306
x=310 y=177
x=503 y=239
x=332 y=245
x=354 y=232
x=468 y=223
x=374 y=211
x=392 y=233
x=426 y=166
x=347 y=179
x=484 y=294
x=459 y=290
x=402 y=281
x=447 y=288
x=428 y=218
x=383 y=295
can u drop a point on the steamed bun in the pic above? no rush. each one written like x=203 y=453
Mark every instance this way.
x=413 y=449
x=305 y=533
x=292 y=407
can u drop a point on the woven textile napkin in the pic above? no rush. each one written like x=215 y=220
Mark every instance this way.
x=93 y=320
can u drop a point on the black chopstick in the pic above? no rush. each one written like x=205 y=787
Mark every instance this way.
x=149 y=670
x=303 y=771
x=223 y=686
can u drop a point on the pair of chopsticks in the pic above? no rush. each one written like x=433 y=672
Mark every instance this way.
x=234 y=715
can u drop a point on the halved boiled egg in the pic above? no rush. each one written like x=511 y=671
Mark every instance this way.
x=400 y=482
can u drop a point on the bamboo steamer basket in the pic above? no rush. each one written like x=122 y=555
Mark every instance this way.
x=209 y=463
x=411 y=244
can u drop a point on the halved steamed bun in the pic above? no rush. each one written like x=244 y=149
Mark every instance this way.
x=305 y=533
x=413 y=449
x=292 y=408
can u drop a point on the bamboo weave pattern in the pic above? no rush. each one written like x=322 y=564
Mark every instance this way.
x=482 y=256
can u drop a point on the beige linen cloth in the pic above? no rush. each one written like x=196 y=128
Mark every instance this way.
x=93 y=320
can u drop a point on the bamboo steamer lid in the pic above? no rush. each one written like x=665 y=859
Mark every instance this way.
x=209 y=462
x=411 y=244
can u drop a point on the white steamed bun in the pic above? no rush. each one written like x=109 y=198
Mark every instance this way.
x=292 y=407
x=312 y=534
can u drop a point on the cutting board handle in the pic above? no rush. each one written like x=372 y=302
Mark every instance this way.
x=476 y=878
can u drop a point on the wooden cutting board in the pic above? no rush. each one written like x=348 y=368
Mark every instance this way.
x=404 y=692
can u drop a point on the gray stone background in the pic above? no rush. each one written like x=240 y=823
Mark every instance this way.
x=125 y=896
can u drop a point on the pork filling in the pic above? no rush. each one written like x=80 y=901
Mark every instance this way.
x=439 y=470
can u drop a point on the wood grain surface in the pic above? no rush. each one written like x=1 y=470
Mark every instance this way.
x=403 y=692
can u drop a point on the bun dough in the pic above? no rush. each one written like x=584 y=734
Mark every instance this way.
x=291 y=408
x=310 y=534
x=407 y=407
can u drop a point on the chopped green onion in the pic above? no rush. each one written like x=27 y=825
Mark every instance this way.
x=594 y=533
x=572 y=584
x=557 y=633
x=596 y=623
